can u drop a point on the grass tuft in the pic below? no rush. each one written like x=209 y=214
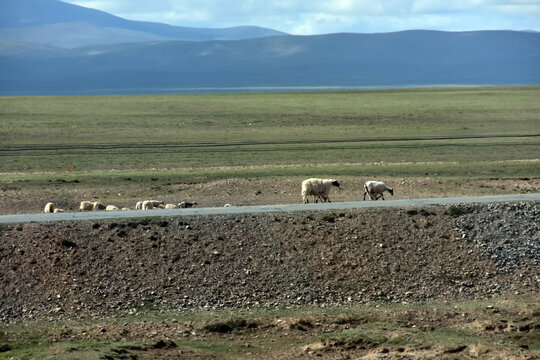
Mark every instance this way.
x=455 y=211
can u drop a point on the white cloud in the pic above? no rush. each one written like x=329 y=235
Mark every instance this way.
x=112 y=6
x=327 y=16
x=319 y=23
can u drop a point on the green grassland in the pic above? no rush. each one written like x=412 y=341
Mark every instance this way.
x=494 y=328
x=472 y=128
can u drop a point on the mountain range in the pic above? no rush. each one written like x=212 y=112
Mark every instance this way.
x=48 y=47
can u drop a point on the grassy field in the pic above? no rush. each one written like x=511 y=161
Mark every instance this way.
x=491 y=329
x=479 y=132
x=165 y=146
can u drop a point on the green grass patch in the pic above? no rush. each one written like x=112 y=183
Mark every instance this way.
x=354 y=339
x=249 y=117
x=217 y=348
x=388 y=327
x=276 y=154
x=138 y=133
x=452 y=337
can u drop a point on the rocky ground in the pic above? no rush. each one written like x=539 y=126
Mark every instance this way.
x=86 y=271
x=80 y=269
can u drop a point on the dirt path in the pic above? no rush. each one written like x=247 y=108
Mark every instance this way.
x=12 y=148
x=116 y=215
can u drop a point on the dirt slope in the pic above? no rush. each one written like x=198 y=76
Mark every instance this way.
x=79 y=269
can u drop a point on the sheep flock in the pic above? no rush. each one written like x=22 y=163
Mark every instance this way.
x=140 y=205
x=318 y=189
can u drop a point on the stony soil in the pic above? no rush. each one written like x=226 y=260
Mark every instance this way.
x=78 y=269
x=92 y=270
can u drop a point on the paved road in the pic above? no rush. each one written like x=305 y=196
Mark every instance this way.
x=102 y=215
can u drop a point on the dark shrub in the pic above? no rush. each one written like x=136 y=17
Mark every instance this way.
x=329 y=218
x=68 y=243
x=455 y=211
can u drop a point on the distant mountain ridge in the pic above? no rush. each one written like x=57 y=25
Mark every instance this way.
x=42 y=22
x=156 y=64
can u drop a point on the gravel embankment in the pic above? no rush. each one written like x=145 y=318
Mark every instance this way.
x=507 y=234
x=79 y=269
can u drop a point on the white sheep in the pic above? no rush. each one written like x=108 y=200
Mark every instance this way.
x=170 y=206
x=49 y=208
x=86 y=206
x=111 y=208
x=138 y=206
x=375 y=189
x=318 y=188
x=227 y=205
x=150 y=204
x=185 y=204
x=98 y=206
x=58 y=211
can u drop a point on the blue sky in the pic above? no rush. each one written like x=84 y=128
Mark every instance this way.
x=302 y=17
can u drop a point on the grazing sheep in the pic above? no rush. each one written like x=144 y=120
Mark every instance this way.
x=227 y=205
x=86 y=206
x=49 y=208
x=375 y=189
x=58 y=211
x=185 y=204
x=125 y=209
x=138 y=206
x=151 y=204
x=111 y=208
x=170 y=206
x=99 y=206
x=318 y=188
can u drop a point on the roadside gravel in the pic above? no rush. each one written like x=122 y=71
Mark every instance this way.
x=507 y=234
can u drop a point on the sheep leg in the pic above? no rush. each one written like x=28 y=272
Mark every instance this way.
x=368 y=193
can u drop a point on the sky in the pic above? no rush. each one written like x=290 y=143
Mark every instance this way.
x=311 y=17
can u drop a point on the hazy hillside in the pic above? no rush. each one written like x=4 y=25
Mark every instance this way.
x=73 y=35
x=52 y=47
x=56 y=23
x=393 y=59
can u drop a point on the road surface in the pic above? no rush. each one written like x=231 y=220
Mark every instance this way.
x=108 y=215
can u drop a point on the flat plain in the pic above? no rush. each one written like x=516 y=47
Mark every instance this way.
x=151 y=289
x=203 y=131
